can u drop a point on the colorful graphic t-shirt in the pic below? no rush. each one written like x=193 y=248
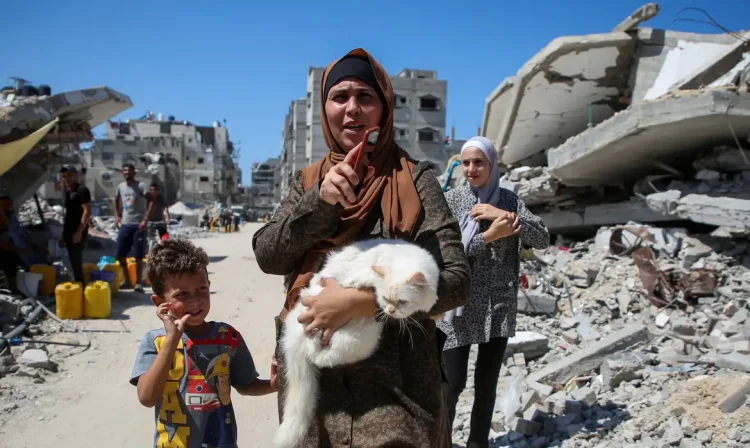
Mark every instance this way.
x=195 y=410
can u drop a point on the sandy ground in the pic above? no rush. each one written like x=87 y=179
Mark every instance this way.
x=90 y=403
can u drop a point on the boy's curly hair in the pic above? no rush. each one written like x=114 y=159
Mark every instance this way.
x=174 y=257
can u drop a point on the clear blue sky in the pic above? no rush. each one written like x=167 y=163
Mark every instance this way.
x=245 y=60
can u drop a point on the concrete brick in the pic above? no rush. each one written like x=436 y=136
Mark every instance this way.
x=734 y=361
x=528 y=427
x=532 y=345
x=591 y=358
x=620 y=367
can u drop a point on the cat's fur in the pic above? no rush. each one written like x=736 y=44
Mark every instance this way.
x=405 y=279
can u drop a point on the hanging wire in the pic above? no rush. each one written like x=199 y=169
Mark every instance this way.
x=711 y=21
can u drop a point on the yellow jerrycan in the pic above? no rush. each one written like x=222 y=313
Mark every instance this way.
x=49 y=278
x=97 y=300
x=69 y=300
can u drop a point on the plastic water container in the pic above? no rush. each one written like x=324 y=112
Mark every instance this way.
x=88 y=267
x=132 y=271
x=103 y=276
x=120 y=276
x=97 y=300
x=69 y=300
x=49 y=278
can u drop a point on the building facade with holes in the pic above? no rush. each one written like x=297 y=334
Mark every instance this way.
x=420 y=101
x=192 y=164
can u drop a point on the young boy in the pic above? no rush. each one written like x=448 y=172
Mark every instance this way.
x=187 y=368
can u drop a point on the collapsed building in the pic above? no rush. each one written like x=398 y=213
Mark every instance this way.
x=41 y=132
x=639 y=335
x=637 y=124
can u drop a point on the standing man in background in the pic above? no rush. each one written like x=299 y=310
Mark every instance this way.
x=77 y=202
x=132 y=217
x=158 y=210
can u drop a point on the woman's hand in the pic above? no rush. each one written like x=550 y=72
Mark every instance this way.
x=334 y=307
x=503 y=227
x=274 y=380
x=340 y=181
x=486 y=212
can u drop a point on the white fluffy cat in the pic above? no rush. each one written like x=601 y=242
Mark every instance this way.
x=405 y=279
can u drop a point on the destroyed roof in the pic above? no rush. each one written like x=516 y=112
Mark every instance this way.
x=577 y=82
x=78 y=110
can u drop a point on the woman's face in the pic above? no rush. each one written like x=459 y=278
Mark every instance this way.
x=352 y=107
x=476 y=166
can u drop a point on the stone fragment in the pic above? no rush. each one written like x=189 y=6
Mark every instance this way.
x=519 y=359
x=662 y=319
x=528 y=427
x=543 y=390
x=536 y=413
x=735 y=399
x=530 y=302
x=694 y=251
x=585 y=395
x=621 y=367
x=734 y=361
x=532 y=345
x=37 y=359
x=683 y=326
x=556 y=402
x=529 y=398
x=690 y=443
x=571 y=336
x=704 y=436
x=734 y=434
x=590 y=358
x=672 y=432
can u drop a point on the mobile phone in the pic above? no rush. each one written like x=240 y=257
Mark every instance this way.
x=370 y=138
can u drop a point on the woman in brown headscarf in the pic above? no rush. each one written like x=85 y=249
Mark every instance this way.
x=393 y=398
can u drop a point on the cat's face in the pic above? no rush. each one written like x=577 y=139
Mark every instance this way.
x=400 y=295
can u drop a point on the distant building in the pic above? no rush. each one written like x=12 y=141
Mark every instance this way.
x=194 y=164
x=293 y=156
x=266 y=185
x=420 y=101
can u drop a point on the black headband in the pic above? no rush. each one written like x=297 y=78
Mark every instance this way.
x=355 y=67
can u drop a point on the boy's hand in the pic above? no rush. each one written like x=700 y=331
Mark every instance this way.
x=174 y=326
x=274 y=374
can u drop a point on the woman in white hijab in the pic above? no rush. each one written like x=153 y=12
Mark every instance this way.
x=494 y=223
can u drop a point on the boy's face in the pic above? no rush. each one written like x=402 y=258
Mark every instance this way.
x=187 y=294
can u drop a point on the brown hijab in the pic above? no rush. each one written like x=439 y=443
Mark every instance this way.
x=392 y=183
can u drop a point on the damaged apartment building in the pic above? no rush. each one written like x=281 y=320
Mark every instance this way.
x=193 y=164
x=638 y=124
x=420 y=100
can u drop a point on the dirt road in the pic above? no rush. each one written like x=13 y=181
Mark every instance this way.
x=90 y=403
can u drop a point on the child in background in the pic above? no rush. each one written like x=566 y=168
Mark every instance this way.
x=187 y=369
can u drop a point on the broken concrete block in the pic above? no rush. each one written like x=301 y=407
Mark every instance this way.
x=532 y=345
x=536 y=413
x=621 y=367
x=590 y=358
x=718 y=211
x=571 y=336
x=664 y=202
x=530 y=302
x=556 y=403
x=662 y=319
x=528 y=427
x=519 y=359
x=736 y=399
x=36 y=358
x=683 y=326
x=529 y=398
x=543 y=390
x=694 y=251
x=584 y=395
x=734 y=361
x=566 y=323
x=707 y=175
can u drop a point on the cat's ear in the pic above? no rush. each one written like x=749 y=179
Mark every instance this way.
x=418 y=279
x=380 y=270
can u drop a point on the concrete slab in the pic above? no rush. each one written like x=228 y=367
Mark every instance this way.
x=626 y=146
x=604 y=215
x=496 y=107
x=665 y=57
x=591 y=358
x=573 y=81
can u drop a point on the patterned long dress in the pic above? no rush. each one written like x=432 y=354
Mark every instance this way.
x=491 y=310
x=394 y=398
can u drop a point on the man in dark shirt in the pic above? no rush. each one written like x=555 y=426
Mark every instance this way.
x=77 y=214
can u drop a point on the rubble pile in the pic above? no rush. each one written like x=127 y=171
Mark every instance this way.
x=637 y=337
